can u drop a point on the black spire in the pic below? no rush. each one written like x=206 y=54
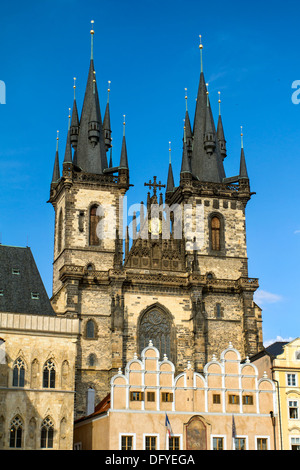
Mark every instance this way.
x=205 y=146
x=56 y=171
x=106 y=122
x=74 y=130
x=123 y=159
x=220 y=133
x=91 y=153
x=68 y=151
x=243 y=168
x=170 y=180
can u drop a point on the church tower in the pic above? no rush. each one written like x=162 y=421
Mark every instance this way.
x=181 y=280
x=85 y=196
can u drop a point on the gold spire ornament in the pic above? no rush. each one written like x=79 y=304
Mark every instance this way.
x=57 y=139
x=201 y=47
x=219 y=101
x=186 y=106
x=108 y=90
x=74 y=87
x=169 y=152
x=242 y=140
x=92 y=40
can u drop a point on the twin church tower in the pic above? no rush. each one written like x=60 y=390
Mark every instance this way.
x=190 y=299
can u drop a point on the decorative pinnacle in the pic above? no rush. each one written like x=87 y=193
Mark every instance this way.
x=201 y=47
x=94 y=81
x=124 y=123
x=69 y=118
x=207 y=93
x=242 y=141
x=169 y=152
x=74 y=86
x=57 y=139
x=92 y=40
x=219 y=101
x=186 y=106
x=108 y=90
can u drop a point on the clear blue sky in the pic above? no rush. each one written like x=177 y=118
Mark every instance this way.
x=149 y=51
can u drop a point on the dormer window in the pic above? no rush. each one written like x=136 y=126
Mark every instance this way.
x=16 y=271
x=1 y=292
x=35 y=295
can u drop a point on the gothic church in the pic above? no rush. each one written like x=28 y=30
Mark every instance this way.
x=190 y=299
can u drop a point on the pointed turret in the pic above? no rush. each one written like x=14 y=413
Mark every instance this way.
x=243 y=168
x=74 y=130
x=185 y=163
x=188 y=129
x=91 y=153
x=209 y=136
x=220 y=133
x=68 y=151
x=56 y=171
x=123 y=159
x=170 y=180
x=106 y=122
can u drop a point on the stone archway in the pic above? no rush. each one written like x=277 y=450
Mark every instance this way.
x=196 y=434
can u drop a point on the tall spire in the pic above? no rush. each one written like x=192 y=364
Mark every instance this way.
x=56 y=171
x=170 y=180
x=91 y=152
x=185 y=163
x=243 y=167
x=188 y=127
x=220 y=132
x=203 y=166
x=106 y=121
x=74 y=121
x=123 y=159
x=68 y=151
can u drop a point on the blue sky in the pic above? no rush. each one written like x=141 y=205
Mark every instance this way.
x=149 y=51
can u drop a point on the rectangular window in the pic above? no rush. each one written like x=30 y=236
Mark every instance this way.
x=262 y=443
x=174 y=443
x=218 y=443
x=233 y=399
x=16 y=271
x=136 y=396
x=150 y=443
x=291 y=380
x=126 y=443
x=167 y=397
x=150 y=396
x=35 y=295
x=295 y=443
x=240 y=443
x=216 y=398
x=247 y=400
x=293 y=410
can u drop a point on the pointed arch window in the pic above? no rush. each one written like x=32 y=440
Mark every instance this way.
x=90 y=329
x=47 y=433
x=49 y=374
x=94 y=220
x=16 y=430
x=156 y=326
x=215 y=233
x=19 y=373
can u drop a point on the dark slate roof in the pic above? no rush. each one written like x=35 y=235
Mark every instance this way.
x=276 y=349
x=20 y=281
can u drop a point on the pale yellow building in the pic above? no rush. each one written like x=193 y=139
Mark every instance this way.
x=204 y=410
x=281 y=361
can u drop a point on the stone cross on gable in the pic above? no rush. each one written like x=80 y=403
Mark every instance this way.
x=155 y=185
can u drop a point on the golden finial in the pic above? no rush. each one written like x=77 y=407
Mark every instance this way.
x=186 y=107
x=92 y=30
x=108 y=90
x=124 y=123
x=92 y=40
x=242 y=140
x=201 y=47
x=169 y=152
x=57 y=139
x=69 y=118
x=219 y=101
x=74 y=86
